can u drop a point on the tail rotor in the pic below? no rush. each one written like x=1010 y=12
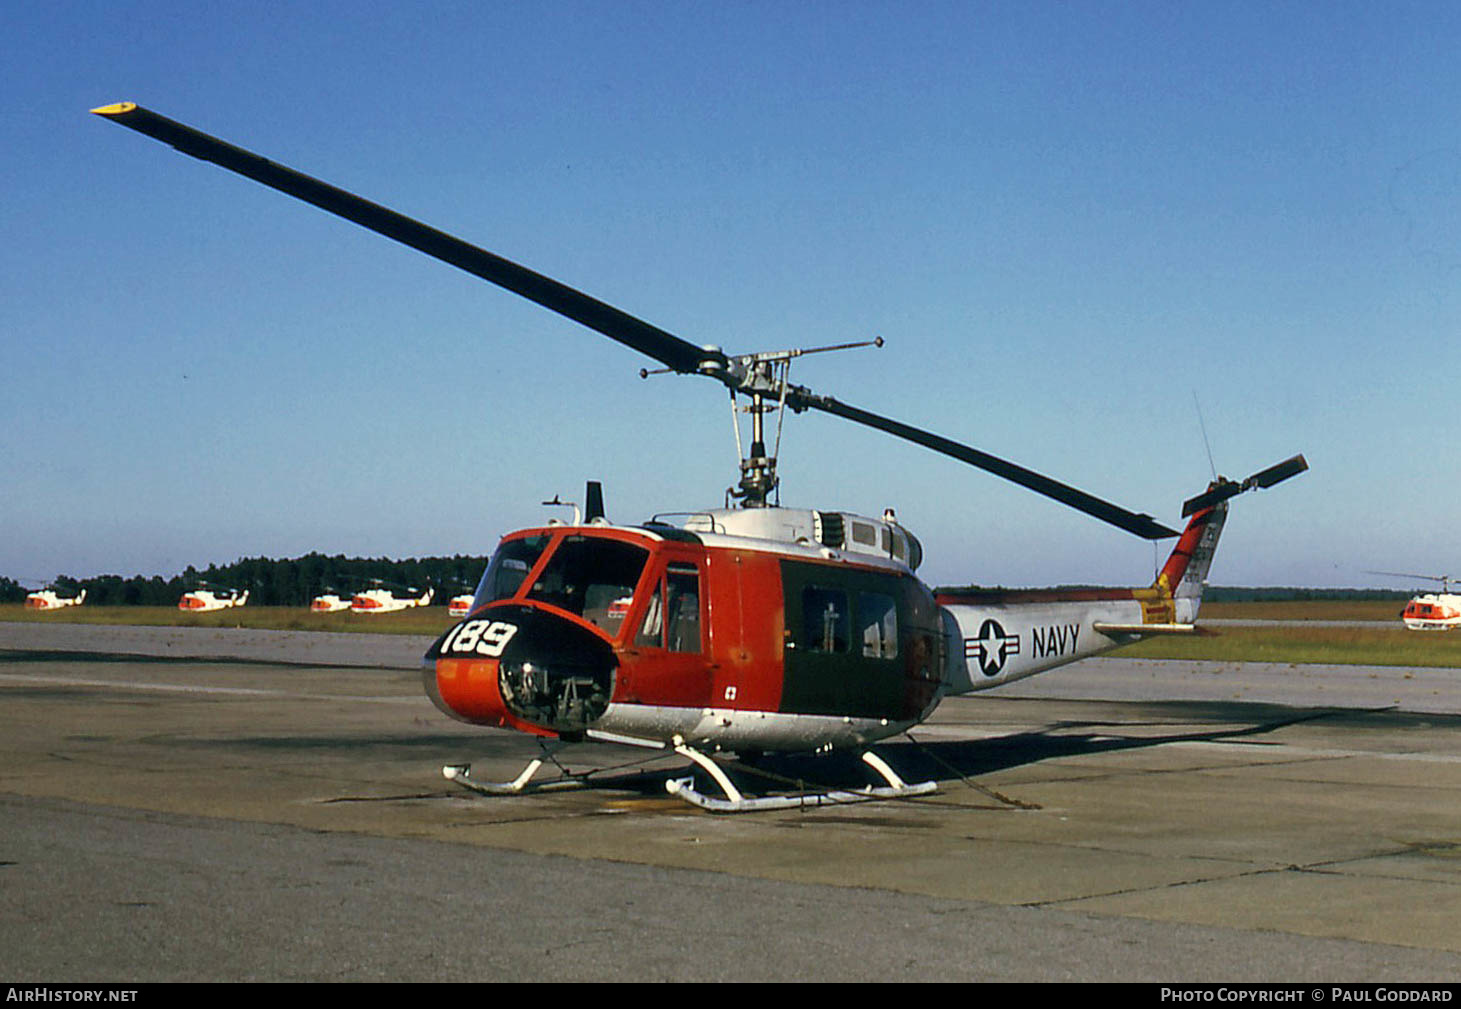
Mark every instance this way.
x=1222 y=489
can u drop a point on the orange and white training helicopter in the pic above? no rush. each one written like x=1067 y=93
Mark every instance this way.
x=380 y=599
x=49 y=599
x=1430 y=611
x=741 y=629
x=329 y=601
x=206 y=598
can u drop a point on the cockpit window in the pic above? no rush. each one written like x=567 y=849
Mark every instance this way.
x=593 y=578
x=509 y=566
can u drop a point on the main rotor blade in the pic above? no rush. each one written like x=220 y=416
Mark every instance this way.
x=675 y=353
x=1404 y=574
x=1142 y=525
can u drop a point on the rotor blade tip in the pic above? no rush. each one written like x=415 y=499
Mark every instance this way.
x=119 y=109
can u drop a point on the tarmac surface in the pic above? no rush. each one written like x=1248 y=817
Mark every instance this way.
x=190 y=804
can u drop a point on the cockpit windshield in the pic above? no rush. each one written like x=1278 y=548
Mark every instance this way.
x=509 y=566
x=593 y=578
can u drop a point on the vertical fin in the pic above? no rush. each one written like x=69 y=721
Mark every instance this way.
x=1185 y=573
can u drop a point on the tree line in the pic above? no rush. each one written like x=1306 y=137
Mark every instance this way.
x=289 y=582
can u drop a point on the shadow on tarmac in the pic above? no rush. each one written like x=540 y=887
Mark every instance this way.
x=948 y=761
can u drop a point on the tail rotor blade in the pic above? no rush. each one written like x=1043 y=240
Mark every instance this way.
x=1279 y=473
x=1220 y=491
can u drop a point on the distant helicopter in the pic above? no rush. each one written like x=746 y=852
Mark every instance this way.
x=1430 y=611
x=49 y=599
x=206 y=598
x=383 y=599
x=742 y=629
x=459 y=602
x=329 y=601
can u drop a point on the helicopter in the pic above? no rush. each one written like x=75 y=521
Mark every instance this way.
x=329 y=601
x=206 y=598
x=381 y=599
x=1430 y=611
x=459 y=595
x=49 y=599
x=752 y=627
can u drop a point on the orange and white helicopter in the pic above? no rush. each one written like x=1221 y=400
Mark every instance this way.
x=460 y=606
x=49 y=599
x=329 y=601
x=380 y=599
x=206 y=598
x=741 y=629
x=1430 y=611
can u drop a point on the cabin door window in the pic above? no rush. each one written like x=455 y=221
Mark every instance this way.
x=672 y=619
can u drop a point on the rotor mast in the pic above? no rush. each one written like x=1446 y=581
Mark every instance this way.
x=763 y=378
x=758 y=468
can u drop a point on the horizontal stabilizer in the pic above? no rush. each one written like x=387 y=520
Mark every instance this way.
x=1100 y=626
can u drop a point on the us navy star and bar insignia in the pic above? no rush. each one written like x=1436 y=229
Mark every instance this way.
x=992 y=647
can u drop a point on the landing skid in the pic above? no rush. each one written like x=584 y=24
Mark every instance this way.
x=522 y=784
x=684 y=788
x=736 y=802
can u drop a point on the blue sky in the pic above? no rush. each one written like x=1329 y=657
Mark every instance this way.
x=1064 y=219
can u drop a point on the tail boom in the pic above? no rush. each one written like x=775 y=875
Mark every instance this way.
x=995 y=636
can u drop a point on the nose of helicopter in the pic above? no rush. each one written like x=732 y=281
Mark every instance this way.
x=523 y=667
